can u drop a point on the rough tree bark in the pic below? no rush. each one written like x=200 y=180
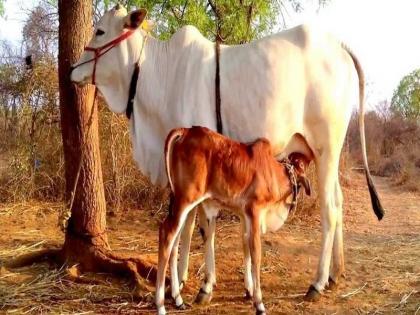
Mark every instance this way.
x=79 y=125
x=86 y=241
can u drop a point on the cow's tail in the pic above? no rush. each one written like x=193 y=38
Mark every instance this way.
x=172 y=137
x=376 y=204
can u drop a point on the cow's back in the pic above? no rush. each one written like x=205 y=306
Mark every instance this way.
x=285 y=84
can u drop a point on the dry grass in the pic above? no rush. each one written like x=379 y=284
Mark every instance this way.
x=46 y=289
x=54 y=291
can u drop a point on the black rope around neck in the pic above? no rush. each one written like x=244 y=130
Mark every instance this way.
x=217 y=90
x=132 y=90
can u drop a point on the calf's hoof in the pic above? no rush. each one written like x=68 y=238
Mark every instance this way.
x=161 y=310
x=181 y=307
x=312 y=295
x=260 y=309
x=203 y=297
x=332 y=285
x=248 y=295
x=181 y=285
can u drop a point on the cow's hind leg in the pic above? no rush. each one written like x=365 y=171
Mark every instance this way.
x=338 y=252
x=206 y=291
x=327 y=168
x=186 y=235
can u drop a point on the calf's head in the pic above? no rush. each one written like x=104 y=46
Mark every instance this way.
x=300 y=163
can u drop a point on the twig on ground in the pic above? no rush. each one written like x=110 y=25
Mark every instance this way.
x=354 y=292
x=405 y=298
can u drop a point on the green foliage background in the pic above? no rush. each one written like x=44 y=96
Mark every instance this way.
x=230 y=21
x=406 y=98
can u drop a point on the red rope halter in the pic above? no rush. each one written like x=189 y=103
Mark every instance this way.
x=102 y=50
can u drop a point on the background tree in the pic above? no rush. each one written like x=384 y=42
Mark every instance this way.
x=406 y=98
x=40 y=32
x=229 y=21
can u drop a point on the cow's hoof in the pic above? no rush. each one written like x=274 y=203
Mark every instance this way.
x=258 y=312
x=203 y=297
x=312 y=295
x=248 y=295
x=332 y=285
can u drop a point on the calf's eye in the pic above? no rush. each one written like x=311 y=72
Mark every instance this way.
x=100 y=32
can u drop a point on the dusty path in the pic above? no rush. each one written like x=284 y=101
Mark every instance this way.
x=382 y=262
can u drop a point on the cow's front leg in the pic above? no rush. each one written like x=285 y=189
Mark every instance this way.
x=206 y=290
x=327 y=174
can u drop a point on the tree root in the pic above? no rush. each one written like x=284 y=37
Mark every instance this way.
x=51 y=254
x=94 y=255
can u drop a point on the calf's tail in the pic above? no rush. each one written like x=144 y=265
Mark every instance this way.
x=376 y=204
x=172 y=137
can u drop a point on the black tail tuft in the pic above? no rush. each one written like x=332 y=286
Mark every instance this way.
x=376 y=204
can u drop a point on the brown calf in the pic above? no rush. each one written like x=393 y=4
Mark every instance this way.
x=244 y=178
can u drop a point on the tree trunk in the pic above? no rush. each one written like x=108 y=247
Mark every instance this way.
x=79 y=125
x=86 y=241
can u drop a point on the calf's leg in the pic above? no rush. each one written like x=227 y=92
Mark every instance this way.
x=186 y=235
x=206 y=290
x=175 y=287
x=249 y=286
x=168 y=232
x=254 y=240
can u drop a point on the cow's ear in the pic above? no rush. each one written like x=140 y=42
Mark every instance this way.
x=304 y=181
x=135 y=19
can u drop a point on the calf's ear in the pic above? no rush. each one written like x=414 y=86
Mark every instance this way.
x=304 y=181
x=134 y=19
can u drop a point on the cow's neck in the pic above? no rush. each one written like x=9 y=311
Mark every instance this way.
x=116 y=89
x=148 y=124
x=161 y=100
x=152 y=85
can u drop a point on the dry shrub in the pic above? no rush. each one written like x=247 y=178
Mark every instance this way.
x=33 y=167
x=307 y=205
x=393 y=146
x=125 y=186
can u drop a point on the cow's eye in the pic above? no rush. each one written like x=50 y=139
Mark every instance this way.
x=100 y=32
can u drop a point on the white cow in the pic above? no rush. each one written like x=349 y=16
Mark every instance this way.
x=294 y=82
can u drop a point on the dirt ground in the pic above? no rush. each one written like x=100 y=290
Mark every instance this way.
x=382 y=262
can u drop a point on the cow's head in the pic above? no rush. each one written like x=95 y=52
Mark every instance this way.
x=300 y=162
x=114 y=68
